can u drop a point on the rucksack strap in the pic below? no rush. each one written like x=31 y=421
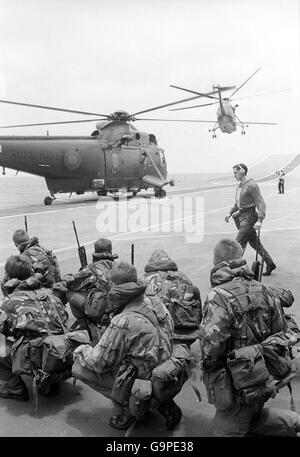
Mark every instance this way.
x=100 y=281
x=245 y=308
x=151 y=317
x=293 y=406
x=65 y=329
x=35 y=298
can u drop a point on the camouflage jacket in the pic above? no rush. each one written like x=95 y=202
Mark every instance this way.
x=131 y=336
x=43 y=262
x=30 y=310
x=86 y=280
x=177 y=292
x=223 y=328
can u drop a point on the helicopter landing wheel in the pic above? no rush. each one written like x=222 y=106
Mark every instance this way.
x=214 y=135
x=48 y=200
x=102 y=193
x=161 y=193
x=134 y=193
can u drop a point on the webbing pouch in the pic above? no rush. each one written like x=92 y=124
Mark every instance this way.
x=219 y=388
x=35 y=352
x=168 y=378
x=96 y=304
x=254 y=395
x=57 y=353
x=20 y=357
x=247 y=367
x=140 y=395
x=123 y=383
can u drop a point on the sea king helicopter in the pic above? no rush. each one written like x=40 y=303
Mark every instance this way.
x=227 y=120
x=115 y=156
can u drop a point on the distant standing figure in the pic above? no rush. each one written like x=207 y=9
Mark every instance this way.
x=247 y=198
x=281 y=175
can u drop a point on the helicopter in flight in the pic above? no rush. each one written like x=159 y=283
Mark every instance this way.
x=115 y=156
x=227 y=120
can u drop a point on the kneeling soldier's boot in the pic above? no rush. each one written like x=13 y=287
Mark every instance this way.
x=171 y=412
x=123 y=420
x=14 y=388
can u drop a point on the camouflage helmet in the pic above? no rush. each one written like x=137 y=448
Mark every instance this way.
x=102 y=245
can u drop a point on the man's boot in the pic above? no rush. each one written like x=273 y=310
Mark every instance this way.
x=123 y=420
x=269 y=269
x=171 y=412
x=14 y=388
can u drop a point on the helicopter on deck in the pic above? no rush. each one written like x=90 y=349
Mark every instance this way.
x=115 y=156
x=227 y=120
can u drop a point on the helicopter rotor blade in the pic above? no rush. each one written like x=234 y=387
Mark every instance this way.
x=251 y=76
x=194 y=92
x=194 y=106
x=52 y=108
x=175 y=120
x=169 y=104
x=262 y=123
x=258 y=95
x=48 y=123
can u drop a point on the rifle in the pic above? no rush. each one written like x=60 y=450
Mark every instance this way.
x=132 y=254
x=81 y=250
x=261 y=268
x=256 y=266
x=25 y=221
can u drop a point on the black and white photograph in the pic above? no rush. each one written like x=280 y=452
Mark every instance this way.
x=150 y=221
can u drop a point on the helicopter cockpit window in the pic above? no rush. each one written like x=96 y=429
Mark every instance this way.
x=162 y=156
x=152 y=139
x=95 y=133
x=138 y=136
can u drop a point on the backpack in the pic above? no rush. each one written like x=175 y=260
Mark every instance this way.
x=96 y=302
x=84 y=282
x=31 y=310
x=48 y=358
x=45 y=263
x=178 y=295
x=251 y=365
x=251 y=312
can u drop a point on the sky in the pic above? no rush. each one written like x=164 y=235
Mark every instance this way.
x=106 y=55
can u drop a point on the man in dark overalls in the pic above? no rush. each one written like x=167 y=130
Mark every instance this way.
x=247 y=219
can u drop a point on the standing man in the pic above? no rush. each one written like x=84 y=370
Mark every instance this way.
x=281 y=175
x=248 y=198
